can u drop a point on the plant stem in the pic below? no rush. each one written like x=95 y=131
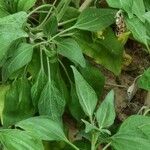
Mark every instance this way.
x=68 y=21
x=52 y=38
x=49 y=71
x=106 y=146
x=40 y=7
x=85 y=5
x=48 y=14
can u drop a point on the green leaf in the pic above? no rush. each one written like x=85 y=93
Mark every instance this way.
x=89 y=127
x=51 y=26
x=107 y=51
x=18 y=104
x=43 y=128
x=131 y=136
x=86 y=94
x=24 y=5
x=51 y=102
x=138 y=30
x=93 y=19
x=105 y=114
x=13 y=139
x=89 y=73
x=37 y=88
x=144 y=80
x=147 y=16
x=138 y=9
x=3 y=90
x=70 y=49
x=121 y=4
x=130 y=142
x=21 y=57
x=11 y=30
x=74 y=105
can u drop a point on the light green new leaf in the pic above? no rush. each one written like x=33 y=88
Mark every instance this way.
x=21 y=57
x=93 y=19
x=51 y=102
x=86 y=94
x=138 y=30
x=144 y=80
x=70 y=49
x=105 y=114
x=11 y=30
x=25 y=5
x=17 y=104
x=13 y=139
x=43 y=128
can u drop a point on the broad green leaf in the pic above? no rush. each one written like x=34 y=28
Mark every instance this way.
x=130 y=142
x=89 y=73
x=11 y=30
x=3 y=90
x=43 y=128
x=138 y=9
x=74 y=105
x=21 y=57
x=93 y=19
x=133 y=124
x=86 y=94
x=18 y=104
x=70 y=49
x=147 y=16
x=107 y=51
x=51 y=102
x=13 y=139
x=138 y=30
x=131 y=136
x=24 y=5
x=37 y=88
x=51 y=26
x=144 y=80
x=105 y=114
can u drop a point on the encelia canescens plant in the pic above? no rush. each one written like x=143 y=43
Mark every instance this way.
x=47 y=52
